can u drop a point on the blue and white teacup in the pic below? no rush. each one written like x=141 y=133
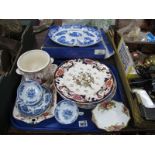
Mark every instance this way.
x=66 y=112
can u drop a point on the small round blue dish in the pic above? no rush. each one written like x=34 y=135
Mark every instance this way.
x=29 y=92
x=38 y=108
x=66 y=112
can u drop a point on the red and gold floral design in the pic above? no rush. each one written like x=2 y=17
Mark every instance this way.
x=77 y=97
x=60 y=72
x=125 y=111
x=109 y=83
x=88 y=61
x=115 y=127
x=81 y=80
x=107 y=105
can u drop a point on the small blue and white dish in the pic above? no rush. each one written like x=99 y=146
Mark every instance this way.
x=75 y=35
x=66 y=112
x=29 y=92
x=38 y=108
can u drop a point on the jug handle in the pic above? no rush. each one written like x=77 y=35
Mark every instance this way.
x=19 y=72
x=52 y=60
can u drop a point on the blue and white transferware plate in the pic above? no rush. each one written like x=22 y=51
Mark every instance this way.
x=38 y=108
x=49 y=113
x=66 y=112
x=29 y=92
x=75 y=35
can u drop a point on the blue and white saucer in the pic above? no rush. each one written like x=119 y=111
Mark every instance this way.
x=66 y=112
x=29 y=92
x=38 y=108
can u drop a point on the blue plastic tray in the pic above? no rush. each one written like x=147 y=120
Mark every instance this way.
x=83 y=124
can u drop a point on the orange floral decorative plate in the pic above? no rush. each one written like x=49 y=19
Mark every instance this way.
x=111 y=116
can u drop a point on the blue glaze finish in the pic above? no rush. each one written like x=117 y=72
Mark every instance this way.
x=74 y=35
x=66 y=112
x=29 y=92
x=38 y=108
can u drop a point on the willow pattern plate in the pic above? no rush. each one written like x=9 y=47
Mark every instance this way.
x=84 y=81
x=74 y=35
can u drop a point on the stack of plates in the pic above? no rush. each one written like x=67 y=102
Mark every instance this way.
x=32 y=100
x=85 y=81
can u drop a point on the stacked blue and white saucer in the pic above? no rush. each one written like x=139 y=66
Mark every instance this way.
x=32 y=98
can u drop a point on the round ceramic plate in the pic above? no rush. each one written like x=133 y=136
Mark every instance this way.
x=111 y=116
x=49 y=113
x=66 y=112
x=74 y=35
x=93 y=105
x=37 y=109
x=29 y=92
x=84 y=81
